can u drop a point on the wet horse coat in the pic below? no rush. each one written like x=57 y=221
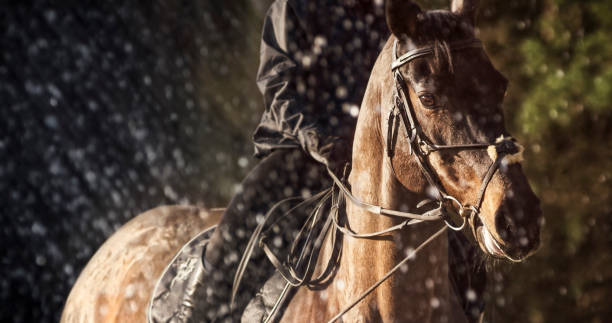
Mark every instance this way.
x=457 y=100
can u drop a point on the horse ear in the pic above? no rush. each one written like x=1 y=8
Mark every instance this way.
x=402 y=17
x=466 y=9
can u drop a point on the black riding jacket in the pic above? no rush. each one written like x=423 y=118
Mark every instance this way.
x=316 y=58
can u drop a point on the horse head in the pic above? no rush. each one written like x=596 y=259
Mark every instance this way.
x=453 y=98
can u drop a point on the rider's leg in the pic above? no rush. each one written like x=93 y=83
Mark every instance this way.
x=283 y=174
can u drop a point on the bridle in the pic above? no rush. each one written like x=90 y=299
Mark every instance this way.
x=421 y=148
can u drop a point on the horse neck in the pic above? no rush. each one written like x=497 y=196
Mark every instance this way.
x=419 y=290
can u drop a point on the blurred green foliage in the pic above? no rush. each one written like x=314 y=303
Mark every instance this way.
x=558 y=57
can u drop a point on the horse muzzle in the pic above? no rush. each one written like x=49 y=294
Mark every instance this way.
x=512 y=240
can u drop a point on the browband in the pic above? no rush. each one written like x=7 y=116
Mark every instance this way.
x=420 y=52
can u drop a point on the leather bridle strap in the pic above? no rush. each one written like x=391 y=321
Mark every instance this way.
x=485 y=181
x=412 y=128
x=420 y=52
x=431 y=215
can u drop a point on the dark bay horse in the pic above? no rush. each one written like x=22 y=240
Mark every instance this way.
x=444 y=98
x=430 y=149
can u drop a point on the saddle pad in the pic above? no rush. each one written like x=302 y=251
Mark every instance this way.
x=174 y=292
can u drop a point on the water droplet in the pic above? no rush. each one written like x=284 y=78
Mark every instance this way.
x=340 y=284
x=470 y=294
x=243 y=162
x=434 y=302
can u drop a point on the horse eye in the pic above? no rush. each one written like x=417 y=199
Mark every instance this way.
x=428 y=100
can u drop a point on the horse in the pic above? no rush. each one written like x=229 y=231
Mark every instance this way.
x=430 y=153
x=447 y=95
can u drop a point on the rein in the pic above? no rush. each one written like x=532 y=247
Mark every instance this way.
x=420 y=147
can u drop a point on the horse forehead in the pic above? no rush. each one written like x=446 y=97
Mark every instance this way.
x=459 y=65
x=474 y=63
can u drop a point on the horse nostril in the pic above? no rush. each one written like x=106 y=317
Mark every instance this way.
x=503 y=223
x=518 y=223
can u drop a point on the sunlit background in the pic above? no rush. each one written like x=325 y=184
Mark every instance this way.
x=108 y=109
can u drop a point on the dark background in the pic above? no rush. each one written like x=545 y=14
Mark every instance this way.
x=110 y=108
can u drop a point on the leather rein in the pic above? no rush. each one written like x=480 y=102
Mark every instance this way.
x=420 y=147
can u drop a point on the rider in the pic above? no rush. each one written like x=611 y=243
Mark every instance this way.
x=316 y=58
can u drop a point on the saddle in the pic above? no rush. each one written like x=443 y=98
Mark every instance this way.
x=174 y=295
